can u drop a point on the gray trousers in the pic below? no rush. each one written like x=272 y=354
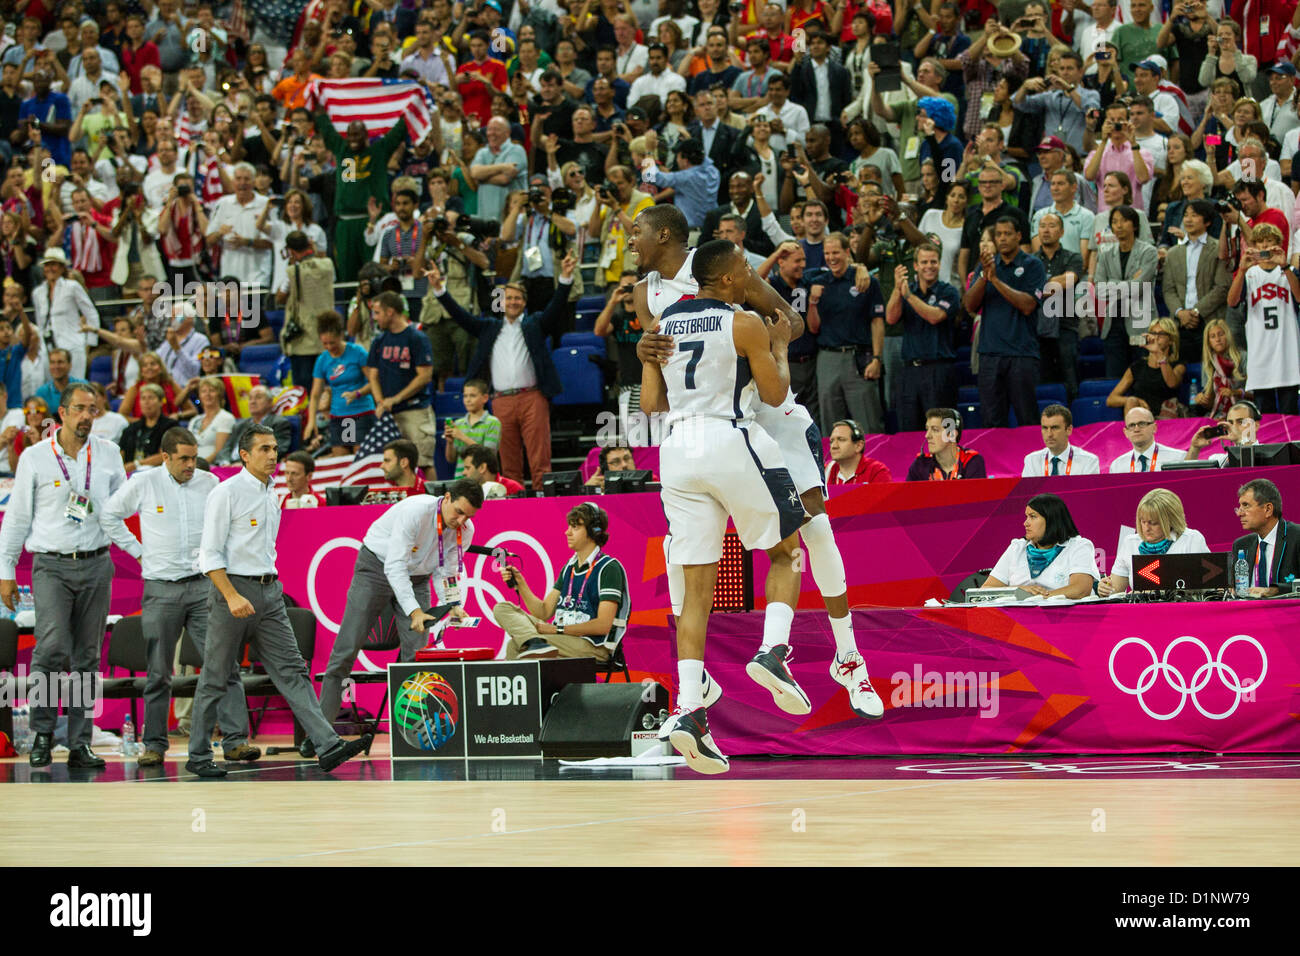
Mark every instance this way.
x=368 y=596
x=166 y=608
x=284 y=665
x=842 y=392
x=72 y=600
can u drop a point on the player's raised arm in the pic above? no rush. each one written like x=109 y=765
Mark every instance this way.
x=653 y=354
x=764 y=345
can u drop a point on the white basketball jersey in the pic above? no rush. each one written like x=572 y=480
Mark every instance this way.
x=661 y=292
x=1271 y=330
x=706 y=379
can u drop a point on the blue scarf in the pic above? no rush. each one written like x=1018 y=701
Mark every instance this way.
x=1040 y=558
x=1159 y=547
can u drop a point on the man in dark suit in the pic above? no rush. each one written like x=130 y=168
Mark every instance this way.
x=1194 y=303
x=814 y=73
x=259 y=408
x=741 y=189
x=1267 y=540
x=523 y=376
x=718 y=138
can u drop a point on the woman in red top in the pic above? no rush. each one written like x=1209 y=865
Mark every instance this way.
x=802 y=13
x=152 y=371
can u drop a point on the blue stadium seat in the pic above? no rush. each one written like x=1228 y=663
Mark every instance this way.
x=1011 y=418
x=1090 y=411
x=454 y=385
x=275 y=319
x=967 y=394
x=1097 y=387
x=1092 y=366
x=970 y=415
x=585 y=321
x=1054 y=392
x=579 y=339
x=1044 y=402
x=590 y=303
x=259 y=359
x=101 y=369
x=584 y=383
x=1091 y=345
x=448 y=405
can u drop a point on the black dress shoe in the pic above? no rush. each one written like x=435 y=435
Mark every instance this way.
x=83 y=758
x=41 y=750
x=204 y=768
x=345 y=750
x=307 y=749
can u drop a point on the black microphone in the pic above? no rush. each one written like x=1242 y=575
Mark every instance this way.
x=489 y=552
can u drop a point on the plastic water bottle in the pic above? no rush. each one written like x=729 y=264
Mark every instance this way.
x=1194 y=388
x=1241 y=571
x=26 y=602
x=22 y=730
x=128 y=737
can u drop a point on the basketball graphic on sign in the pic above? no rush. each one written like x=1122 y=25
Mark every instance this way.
x=426 y=710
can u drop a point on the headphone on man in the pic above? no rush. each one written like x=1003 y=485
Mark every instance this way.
x=856 y=434
x=598 y=523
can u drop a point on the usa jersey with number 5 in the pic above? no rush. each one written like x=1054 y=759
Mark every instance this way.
x=1271 y=330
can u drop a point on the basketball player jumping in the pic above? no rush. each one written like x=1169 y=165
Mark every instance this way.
x=659 y=237
x=726 y=362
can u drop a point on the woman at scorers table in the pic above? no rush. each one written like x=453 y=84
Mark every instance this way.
x=1052 y=558
x=1161 y=529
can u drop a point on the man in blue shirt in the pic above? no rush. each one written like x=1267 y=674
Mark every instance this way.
x=928 y=310
x=51 y=114
x=850 y=330
x=695 y=185
x=1009 y=289
x=400 y=367
x=11 y=358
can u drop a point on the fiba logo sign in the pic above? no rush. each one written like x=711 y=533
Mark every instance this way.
x=426 y=710
x=1232 y=688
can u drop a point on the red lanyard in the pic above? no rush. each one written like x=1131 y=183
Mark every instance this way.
x=1069 y=462
x=591 y=564
x=397 y=240
x=460 y=553
x=58 y=457
x=940 y=475
x=1132 y=462
x=1264 y=583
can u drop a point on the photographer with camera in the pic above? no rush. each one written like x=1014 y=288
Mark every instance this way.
x=444 y=240
x=398 y=247
x=619 y=320
x=620 y=203
x=182 y=225
x=1188 y=29
x=542 y=232
x=1119 y=152
x=307 y=292
x=1240 y=428
x=1270 y=290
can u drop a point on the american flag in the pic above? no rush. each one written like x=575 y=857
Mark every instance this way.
x=1186 y=124
x=377 y=103
x=343 y=470
x=381 y=433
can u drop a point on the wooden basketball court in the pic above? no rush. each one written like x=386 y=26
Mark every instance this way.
x=1158 y=809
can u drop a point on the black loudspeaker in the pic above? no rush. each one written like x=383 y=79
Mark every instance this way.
x=597 y=720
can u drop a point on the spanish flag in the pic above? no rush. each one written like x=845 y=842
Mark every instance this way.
x=238 y=386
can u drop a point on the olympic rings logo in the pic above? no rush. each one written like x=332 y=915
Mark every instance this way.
x=1200 y=679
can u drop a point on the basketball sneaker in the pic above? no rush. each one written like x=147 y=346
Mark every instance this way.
x=712 y=694
x=690 y=737
x=851 y=672
x=769 y=669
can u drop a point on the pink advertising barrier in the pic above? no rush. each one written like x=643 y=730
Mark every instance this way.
x=1084 y=679
x=903 y=543
x=1004 y=449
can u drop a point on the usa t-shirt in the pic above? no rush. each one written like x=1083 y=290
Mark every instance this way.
x=347 y=373
x=1271 y=334
x=397 y=355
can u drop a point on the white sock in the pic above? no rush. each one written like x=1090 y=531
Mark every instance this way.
x=690 y=684
x=776 y=625
x=842 y=628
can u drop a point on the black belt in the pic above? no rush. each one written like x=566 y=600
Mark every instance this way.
x=186 y=580
x=259 y=578
x=78 y=555
x=800 y=359
x=845 y=348
x=917 y=363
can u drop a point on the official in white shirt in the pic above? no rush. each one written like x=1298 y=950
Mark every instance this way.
x=1052 y=559
x=1058 y=456
x=170 y=501
x=1146 y=455
x=245 y=252
x=422 y=537
x=55 y=510
x=1161 y=529
x=61 y=305
x=237 y=551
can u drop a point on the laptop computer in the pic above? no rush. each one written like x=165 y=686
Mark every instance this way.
x=1181 y=572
